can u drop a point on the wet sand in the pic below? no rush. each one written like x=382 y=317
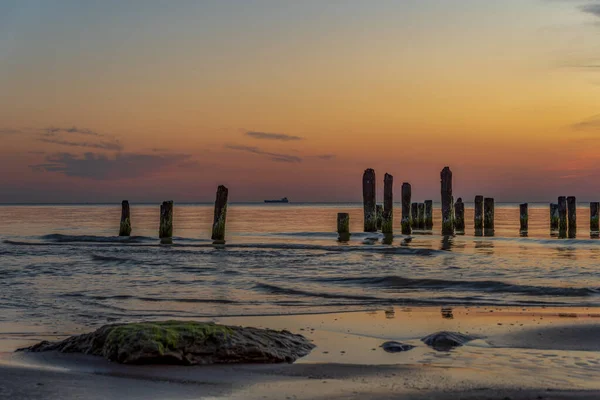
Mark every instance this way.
x=533 y=353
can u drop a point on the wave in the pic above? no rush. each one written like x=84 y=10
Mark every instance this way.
x=149 y=299
x=60 y=238
x=488 y=286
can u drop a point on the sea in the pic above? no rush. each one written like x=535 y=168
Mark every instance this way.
x=64 y=265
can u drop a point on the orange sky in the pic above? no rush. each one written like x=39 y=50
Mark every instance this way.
x=296 y=99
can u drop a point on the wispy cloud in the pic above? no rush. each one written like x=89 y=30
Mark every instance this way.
x=272 y=136
x=53 y=131
x=278 y=157
x=114 y=145
x=101 y=167
x=326 y=156
x=591 y=123
x=9 y=131
x=593 y=9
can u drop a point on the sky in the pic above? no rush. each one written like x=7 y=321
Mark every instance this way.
x=154 y=100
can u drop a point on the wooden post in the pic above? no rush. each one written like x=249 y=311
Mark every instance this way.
x=406 y=196
x=379 y=212
x=562 y=216
x=459 y=216
x=488 y=216
x=165 y=231
x=429 y=214
x=421 y=216
x=387 y=226
x=125 y=227
x=414 y=215
x=595 y=219
x=369 y=201
x=478 y=215
x=447 y=214
x=572 y=216
x=554 y=216
x=220 y=216
x=524 y=218
x=343 y=227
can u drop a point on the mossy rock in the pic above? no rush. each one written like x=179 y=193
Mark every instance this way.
x=185 y=343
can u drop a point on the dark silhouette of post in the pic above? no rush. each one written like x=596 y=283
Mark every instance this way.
x=343 y=227
x=478 y=215
x=125 y=226
x=387 y=225
x=220 y=216
x=572 y=216
x=447 y=212
x=165 y=231
x=595 y=219
x=379 y=212
x=421 y=216
x=488 y=216
x=369 y=201
x=428 y=214
x=414 y=215
x=406 y=196
x=562 y=216
x=459 y=216
x=524 y=218
x=554 y=217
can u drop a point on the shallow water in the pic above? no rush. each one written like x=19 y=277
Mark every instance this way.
x=62 y=266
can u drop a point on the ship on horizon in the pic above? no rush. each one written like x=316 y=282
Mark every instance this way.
x=282 y=200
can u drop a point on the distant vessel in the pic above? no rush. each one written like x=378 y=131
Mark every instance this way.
x=284 y=200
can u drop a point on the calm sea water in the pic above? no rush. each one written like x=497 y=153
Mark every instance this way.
x=63 y=265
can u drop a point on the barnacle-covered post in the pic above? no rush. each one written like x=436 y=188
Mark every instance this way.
x=459 y=216
x=488 y=216
x=220 y=217
x=562 y=216
x=406 y=196
x=421 y=215
x=343 y=227
x=428 y=214
x=379 y=212
x=478 y=215
x=554 y=217
x=369 y=201
x=524 y=218
x=447 y=212
x=387 y=226
x=414 y=215
x=572 y=216
x=165 y=231
x=125 y=226
x=595 y=219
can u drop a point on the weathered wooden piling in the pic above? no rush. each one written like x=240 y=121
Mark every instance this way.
x=220 y=216
x=369 y=201
x=595 y=218
x=488 y=216
x=428 y=214
x=524 y=217
x=387 y=226
x=554 y=217
x=343 y=227
x=562 y=215
x=165 y=231
x=478 y=214
x=125 y=227
x=421 y=216
x=459 y=216
x=572 y=216
x=414 y=215
x=379 y=212
x=447 y=206
x=406 y=196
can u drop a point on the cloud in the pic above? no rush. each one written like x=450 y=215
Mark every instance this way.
x=326 y=156
x=593 y=9
x=272 y=136
x=9 y=131
x=101 y=167
x=114 y=145
x=277 y=157
x=52 y=131
x=590 y=123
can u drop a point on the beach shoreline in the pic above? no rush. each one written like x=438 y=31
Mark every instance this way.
x=519 y=353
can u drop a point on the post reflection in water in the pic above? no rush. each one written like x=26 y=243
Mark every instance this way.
x=447 y=313
x=484 y=246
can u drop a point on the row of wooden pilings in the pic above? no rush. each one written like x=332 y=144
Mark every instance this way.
x=419 y=216
x=165 y=230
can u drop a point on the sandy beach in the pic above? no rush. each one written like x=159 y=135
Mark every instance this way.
x=520 y=353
